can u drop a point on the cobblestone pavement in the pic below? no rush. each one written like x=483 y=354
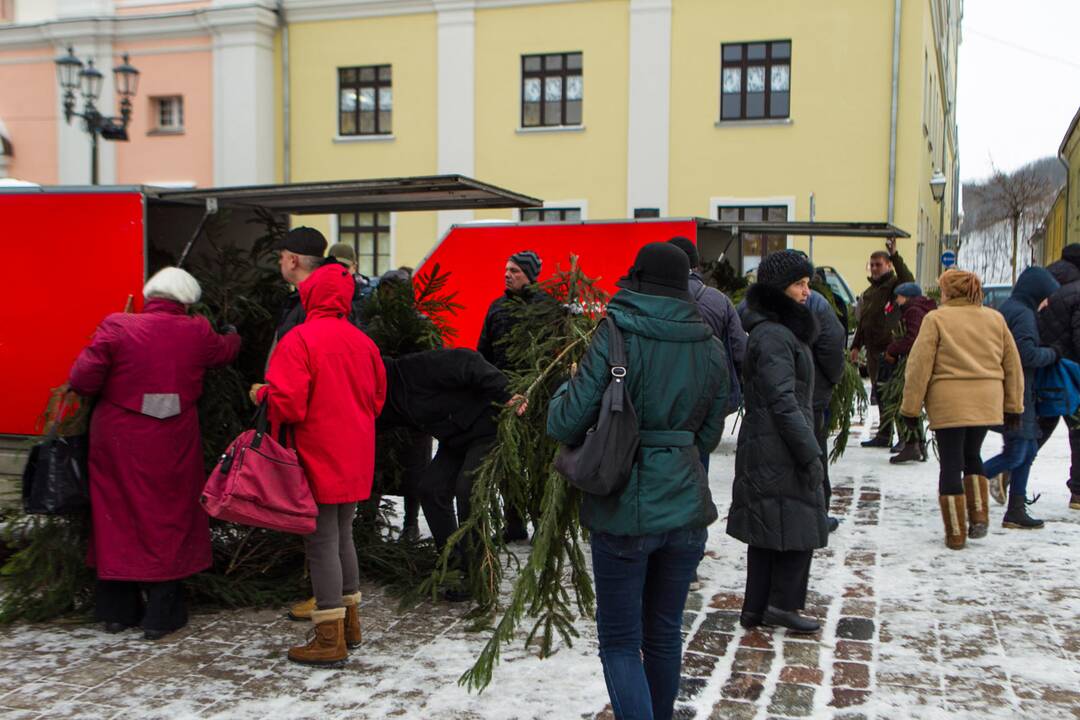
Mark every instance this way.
x=910 y=630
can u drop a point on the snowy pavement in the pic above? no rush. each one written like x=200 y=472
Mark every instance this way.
x=911 y=630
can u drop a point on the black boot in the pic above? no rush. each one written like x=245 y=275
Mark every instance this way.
x=790 y=619
x=878 y=441
x=910 y=453
x=749 y=619
x=899 y=446
x=1074 y=502
x=1017 y=518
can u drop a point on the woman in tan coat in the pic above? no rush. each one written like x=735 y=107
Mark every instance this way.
x=964 y=367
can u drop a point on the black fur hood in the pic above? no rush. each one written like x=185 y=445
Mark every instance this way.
x=765 y=303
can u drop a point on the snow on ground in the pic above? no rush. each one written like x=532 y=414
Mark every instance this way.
x=911 y=630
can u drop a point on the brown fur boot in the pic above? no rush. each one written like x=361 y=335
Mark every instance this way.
x=977 y=495
x=954 y=513
x=327 y=641
x=352 y=619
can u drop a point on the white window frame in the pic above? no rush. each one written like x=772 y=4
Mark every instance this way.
x=157 y=102
x=580 y=203
x=715 y=203
x=335 y=233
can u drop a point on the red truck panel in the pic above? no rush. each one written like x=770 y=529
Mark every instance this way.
x=72 y=259
x=476 y=257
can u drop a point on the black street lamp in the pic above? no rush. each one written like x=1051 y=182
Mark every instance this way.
x=87 y=79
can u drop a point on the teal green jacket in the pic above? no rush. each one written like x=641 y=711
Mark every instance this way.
x=678 y=382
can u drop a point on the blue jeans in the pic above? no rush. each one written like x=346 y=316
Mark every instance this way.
x=641 y=586
x=1016 y=457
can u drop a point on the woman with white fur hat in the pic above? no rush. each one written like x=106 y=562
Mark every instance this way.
x=145 y=371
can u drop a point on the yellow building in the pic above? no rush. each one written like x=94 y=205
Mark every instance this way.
x=1053 y=229
x=611 y=109
x=1069 y=153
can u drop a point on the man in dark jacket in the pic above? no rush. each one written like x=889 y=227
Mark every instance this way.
x=913 y=308
x=877 y=324
x=1034 y=286
x=719 y=314
x=778 y=499
x=522 y=270
x=1059 y=326
x=300 y=253
x=451 y=395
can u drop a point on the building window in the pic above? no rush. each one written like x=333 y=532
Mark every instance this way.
x=552 y=87
x=551 y=215
x=369 y=234
x=757 y=246
x=168 y=113
x=365 y=100
x=755 y=80
x=646 y=213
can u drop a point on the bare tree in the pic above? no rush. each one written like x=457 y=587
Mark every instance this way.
x=1018 y=196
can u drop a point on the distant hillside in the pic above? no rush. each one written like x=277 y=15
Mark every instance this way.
x=986 y=231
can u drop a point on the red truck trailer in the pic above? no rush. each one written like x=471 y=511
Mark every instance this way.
x=475 y=253
x=76 y=254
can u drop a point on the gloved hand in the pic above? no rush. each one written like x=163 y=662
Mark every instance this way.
x=229 y=329
x=1012 y=422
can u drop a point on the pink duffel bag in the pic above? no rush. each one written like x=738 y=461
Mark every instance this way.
x=259 y=482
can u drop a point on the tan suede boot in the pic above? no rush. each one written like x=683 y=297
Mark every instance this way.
x=326 y=645
x=977 y=496
x=352 y=619
x=954 y=513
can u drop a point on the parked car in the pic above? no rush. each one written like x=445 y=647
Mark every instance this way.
x=994 y=295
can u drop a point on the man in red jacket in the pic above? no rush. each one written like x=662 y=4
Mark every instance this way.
x=326 y=383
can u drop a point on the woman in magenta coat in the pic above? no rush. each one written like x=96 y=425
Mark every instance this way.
x=146 y=462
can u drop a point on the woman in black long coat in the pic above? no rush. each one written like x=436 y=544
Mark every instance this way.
x=778 y=501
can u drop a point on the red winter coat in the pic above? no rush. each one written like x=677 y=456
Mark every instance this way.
x=146 y=459
x=912 y=314
x=326 y=380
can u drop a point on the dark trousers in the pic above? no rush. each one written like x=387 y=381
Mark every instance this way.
x=414 y=464
x=960 y=452
x=776 y=577
x=1016 y=457
x=880 y=373
x=331 y=555
x=449 y=477
x=1046 y=429
x=641 y=586
x=821 y=432
x=153 y=605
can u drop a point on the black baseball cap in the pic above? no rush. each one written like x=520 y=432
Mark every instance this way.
x=303 y=241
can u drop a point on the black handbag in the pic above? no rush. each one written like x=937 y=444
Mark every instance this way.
x=601 y=465
x=55 y=478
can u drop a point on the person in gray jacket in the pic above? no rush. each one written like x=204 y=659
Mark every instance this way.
x=720 y=315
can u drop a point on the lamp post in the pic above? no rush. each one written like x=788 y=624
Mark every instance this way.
x=937 y=189
x=87 y=80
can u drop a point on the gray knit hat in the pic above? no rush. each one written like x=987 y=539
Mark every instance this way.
x=783 y=268
x=529 y=262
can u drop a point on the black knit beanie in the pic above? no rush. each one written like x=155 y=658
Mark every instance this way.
x=783 y=268
x=689 y=248
x=529 y=262
x=659 y=269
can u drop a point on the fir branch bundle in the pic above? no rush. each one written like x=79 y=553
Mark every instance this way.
x=547 y=339
x=848 y=398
